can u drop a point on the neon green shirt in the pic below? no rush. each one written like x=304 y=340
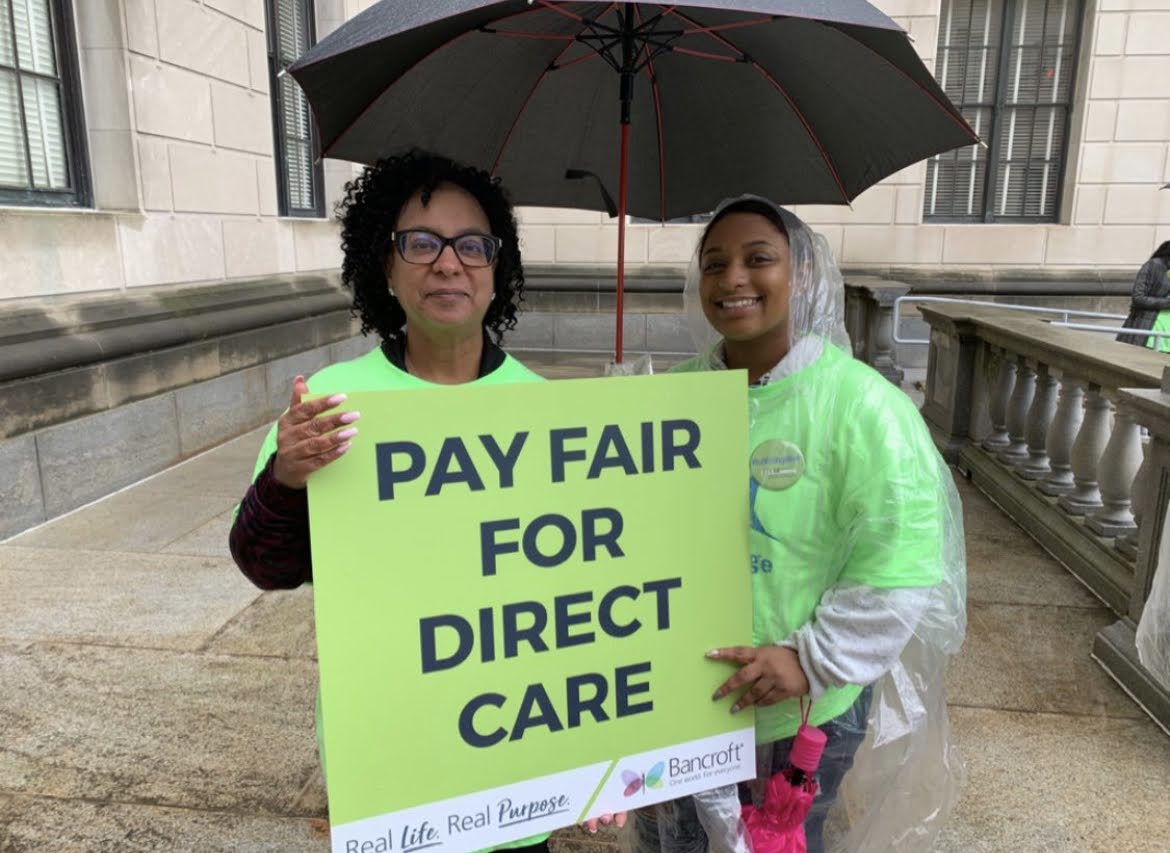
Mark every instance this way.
x=374 y=372
x=857 y=500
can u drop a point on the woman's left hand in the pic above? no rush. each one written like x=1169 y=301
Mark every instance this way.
x=774 y=673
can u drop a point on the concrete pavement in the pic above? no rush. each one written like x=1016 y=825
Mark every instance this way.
x=152 y=700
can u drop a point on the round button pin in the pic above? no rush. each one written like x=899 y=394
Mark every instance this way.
x=777 y=464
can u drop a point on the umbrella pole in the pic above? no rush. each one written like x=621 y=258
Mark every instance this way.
x=621 y=247
x=626 y=93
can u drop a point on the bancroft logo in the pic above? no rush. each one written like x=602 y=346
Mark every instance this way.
x=677 y=770
x=636 y=782
x=708 y=763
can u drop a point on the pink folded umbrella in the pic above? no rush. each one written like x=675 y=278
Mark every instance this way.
x=777 y=826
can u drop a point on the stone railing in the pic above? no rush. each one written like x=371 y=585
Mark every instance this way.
x=1049 y=422
x=869 y=319
x=101 y=390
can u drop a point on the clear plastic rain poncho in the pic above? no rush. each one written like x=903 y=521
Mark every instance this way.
x=1153 y=629
x=868 y=581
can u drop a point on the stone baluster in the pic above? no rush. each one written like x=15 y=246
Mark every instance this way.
x=1039 y=420
x=1142 y=492
x=1017 y=415
x=881 y=339
x=997 y=404
x=1086 y=453
x=1115 y=474
x=1062 y=432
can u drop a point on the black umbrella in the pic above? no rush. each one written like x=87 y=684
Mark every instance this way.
x=804 y=101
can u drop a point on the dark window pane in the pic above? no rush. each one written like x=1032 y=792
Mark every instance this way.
x=34 y=36
x=1022 y=115
x=40 y=117
x=13 y=159
x=46 y=135
x=299 y=174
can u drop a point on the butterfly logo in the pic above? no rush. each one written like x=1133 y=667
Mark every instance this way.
x=636 y=782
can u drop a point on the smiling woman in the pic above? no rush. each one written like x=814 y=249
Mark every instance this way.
x=432 y=256
x=856 y=566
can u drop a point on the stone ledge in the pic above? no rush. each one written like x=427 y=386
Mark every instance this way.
x=61 y=360
x=58 y=468
x=1115 y=651
x=37 y=336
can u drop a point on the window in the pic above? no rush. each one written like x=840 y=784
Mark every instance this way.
x=1009 y=66
x=41 y=148
x=291 y=31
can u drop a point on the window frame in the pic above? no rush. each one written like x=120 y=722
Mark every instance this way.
x=1000 y=112
x=280 y=143
x=68 y=79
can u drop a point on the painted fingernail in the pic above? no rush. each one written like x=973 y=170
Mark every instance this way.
x=716 y=695
x=735 y=709
x=336 y=399
x=713 y=654
x=350 y=417
x=341 y=448
x=346 y=434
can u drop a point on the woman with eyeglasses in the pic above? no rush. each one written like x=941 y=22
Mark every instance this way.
x=432 y=256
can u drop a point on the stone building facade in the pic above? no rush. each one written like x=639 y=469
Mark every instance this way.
x=168 y=261
x=181 y=169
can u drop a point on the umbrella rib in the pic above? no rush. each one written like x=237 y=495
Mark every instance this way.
x=735 y=25
x=584 y=58
x=326 y=149
x=553 y=7
x=520 y=112
x=649 y=69
x=523 y=35
x=959 y=120
x=807 y=127
x=788 y=98
x=370 y=104
x=686 y=51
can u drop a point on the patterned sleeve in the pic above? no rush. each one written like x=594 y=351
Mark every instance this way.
x=269 y=539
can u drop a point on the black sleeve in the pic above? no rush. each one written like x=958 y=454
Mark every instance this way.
x=269 y=539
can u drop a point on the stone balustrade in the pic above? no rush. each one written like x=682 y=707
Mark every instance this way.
x=1069 y=432
x=869 y=320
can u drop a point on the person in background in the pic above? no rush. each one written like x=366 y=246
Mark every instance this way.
x=1150 y=302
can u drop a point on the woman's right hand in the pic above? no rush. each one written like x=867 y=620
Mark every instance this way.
x=307 y=438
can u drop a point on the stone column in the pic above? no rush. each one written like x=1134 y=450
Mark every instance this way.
x=1062 y=432
x=1039 y=418
x=1115 y=474
x=1017 y=415
x=881 y=340
x=997 y=403
x=1086 y=453
x=1128 y=544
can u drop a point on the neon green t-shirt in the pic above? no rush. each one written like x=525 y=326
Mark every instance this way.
x=374 y=372
x=845 y=490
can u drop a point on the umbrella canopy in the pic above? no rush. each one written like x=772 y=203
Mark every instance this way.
x=805 y=101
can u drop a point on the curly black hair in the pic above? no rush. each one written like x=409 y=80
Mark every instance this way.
x=370 y=212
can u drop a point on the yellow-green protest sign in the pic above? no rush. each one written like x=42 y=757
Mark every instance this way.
x=515 y=588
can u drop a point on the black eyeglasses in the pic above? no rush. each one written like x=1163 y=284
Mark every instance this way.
x=417 y=246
